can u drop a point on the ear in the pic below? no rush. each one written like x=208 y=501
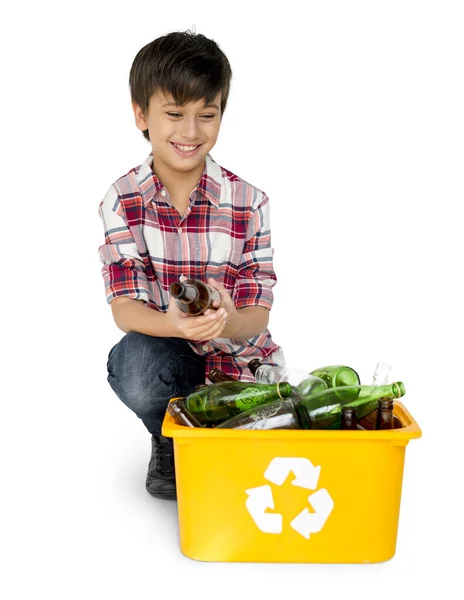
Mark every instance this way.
x=140 y=118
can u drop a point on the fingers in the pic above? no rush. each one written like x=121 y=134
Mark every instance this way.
x=215 y=284
x=206 y=327
x=226 y=299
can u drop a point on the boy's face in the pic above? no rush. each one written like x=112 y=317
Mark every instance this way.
x=191 y=125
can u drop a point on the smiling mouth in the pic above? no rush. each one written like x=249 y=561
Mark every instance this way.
x=185 y=149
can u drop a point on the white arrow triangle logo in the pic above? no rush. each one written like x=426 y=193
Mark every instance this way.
x=306 y=522
x=306 y=474
x=259 y=499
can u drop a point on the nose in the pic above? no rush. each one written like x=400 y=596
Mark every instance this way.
x=190 y=129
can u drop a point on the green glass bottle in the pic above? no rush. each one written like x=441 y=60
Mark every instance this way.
x=220 y=401
x=324 y=410
x=337 y=375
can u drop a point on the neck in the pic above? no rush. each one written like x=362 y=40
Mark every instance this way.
x=178 y=183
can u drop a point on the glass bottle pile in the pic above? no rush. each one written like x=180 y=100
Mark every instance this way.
x=330 y=397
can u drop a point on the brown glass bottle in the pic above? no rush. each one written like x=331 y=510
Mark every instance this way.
x=370 y=420
x=254 y=365
x=397 y=423
x=216 y=376
x=385 y=414
x=193 y=296
x=181 y=415
x=350 y=418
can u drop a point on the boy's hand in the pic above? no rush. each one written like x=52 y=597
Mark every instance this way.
x=232 y=314
x=204 y=327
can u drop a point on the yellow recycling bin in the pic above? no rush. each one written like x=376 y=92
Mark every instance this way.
x=299 y=496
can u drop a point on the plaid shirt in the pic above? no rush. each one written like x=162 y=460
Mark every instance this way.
x=224 y=234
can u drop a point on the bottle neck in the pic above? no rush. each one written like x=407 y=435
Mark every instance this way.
x=184 y=291
x=254 y=365
x=349 y=418
x=216 y=376
x=382 y=374
x=385 y=414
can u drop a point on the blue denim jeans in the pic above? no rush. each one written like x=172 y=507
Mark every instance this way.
x=145 y=372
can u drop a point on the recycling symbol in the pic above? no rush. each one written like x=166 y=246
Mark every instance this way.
x=306 y=476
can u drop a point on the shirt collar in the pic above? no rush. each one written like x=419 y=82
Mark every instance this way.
x=209 y=184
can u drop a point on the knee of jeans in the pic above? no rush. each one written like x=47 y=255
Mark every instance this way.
x=146 y=394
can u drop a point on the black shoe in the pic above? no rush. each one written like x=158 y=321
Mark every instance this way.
x=161 y=477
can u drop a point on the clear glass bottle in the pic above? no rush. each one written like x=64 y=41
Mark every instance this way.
x=220 y=401
x=381 y=374
x=302 y=382
x=279 y=414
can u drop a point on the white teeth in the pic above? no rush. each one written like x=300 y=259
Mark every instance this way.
x=185 y=148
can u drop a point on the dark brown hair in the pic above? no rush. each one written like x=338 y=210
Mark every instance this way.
x=187 y=65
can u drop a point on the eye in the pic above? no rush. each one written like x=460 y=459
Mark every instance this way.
x=175 y=115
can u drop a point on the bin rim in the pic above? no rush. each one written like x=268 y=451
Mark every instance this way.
x=410 y=430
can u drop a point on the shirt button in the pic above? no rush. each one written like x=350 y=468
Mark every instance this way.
x=180 y=230
x=163 y=192
x=205 y=348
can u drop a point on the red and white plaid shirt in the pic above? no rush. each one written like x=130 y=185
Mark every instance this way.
x=224 y=234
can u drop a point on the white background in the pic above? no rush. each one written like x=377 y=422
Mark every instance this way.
x=349 y=115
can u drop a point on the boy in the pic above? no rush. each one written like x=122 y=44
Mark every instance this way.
x=177 y=215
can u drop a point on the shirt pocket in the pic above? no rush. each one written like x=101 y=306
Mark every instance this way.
x=223 y=249
x=223 y=259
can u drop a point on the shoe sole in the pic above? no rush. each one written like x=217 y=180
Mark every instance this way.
x=162 y=496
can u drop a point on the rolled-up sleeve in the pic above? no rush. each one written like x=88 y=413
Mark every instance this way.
x=256 y=276
x=123 y=269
